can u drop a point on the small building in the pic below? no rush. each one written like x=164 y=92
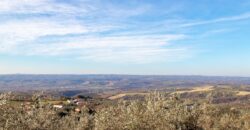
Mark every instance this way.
x=77 y=110
x=69 y=101
x=58 y=106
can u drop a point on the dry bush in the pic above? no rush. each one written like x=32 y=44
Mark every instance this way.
x=158 y=111
x=162 y=113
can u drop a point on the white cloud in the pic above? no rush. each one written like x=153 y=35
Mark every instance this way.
x=7 y=5
x=32 y=29
x=137 y=55
x=38 y=6
x=21 y=36
x=18 y=33
x=124 y=41
x=136 y=49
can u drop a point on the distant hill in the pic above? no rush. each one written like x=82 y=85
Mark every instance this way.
x=110 y=82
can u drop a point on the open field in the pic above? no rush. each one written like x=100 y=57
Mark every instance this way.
x=126 y=94
x=243 y=93
x=196 y=89
x=192 y=90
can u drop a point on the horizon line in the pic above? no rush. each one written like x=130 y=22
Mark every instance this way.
x=75 y=74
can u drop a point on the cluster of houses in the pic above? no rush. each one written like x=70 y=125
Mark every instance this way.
x=29 y=103
x=78 y=101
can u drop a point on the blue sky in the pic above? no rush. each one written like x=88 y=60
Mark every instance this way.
x=184 y=37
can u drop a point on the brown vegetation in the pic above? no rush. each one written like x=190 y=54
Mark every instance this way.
x=159 y=111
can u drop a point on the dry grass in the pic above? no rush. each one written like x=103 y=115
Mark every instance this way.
x=196 y=89
x=243 y=93
x=126 y=94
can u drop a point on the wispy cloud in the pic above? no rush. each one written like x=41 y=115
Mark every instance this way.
x=32 y=29
x=39 y=6
x=219 y=20
x=93 y=31
x=114 y=31
x=19 y=33
x=135 y=49
x=82 y=31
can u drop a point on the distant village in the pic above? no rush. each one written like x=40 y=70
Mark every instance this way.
x=75 y=103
